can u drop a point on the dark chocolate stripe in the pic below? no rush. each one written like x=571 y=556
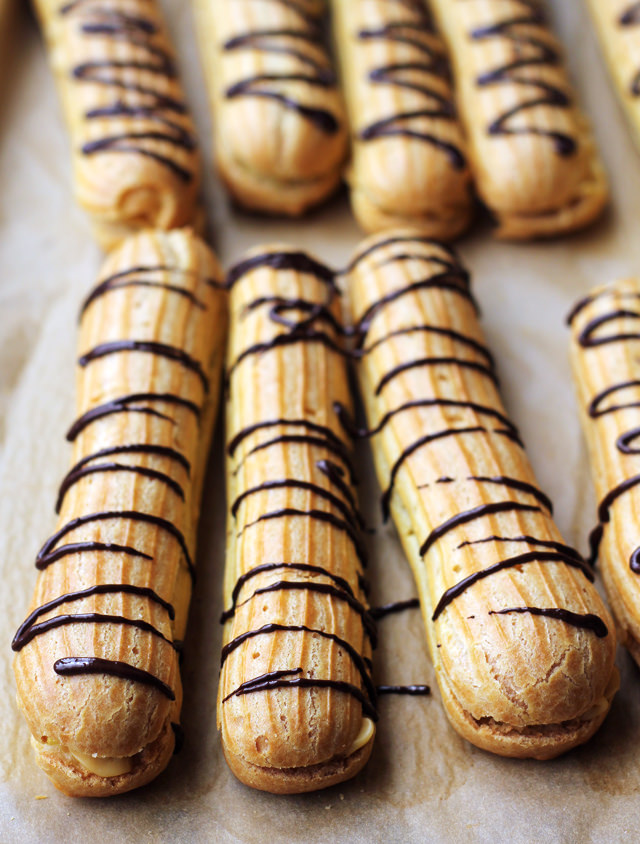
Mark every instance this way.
x=321 y=589
x=123 y=404
x=281 y=340
x=298 y=261
x=530 y=540
x=452 y=264
x=72 y=666
x=510 y=562
x=46 y=559
x=274 y=680
x=474 y=513
x=427 y=439
x=586 y=338
x=397 y=606
x=354 y=431
x=266 y=629
x=291 y=483
x=434 y=361
x=76 y=475
x=147 y=346
x=530 y=50
x=134 y=515
x=138 y=448
x=321 y=516
x=99 y=589
x=440 y=332
x=587 y=621
x=594 y=409
x=84 y=618
x=413 y=690
x=272 y=423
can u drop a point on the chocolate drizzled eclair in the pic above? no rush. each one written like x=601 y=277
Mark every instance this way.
x=604 y=354
x=278 y=117
x=296 y=705
x=409 y=162
x=532 y=154
x=522 y=644
x=617 y=23
x=135 y=158
x=97 y=657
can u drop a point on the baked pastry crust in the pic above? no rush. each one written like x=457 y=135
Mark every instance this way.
x=115 y=579
x=295 y=701
x=533 y=156
x=135 y=158
x=280 y=136
x=617 y=23
x=522 y=644
x=408 y=159
x=604 y=345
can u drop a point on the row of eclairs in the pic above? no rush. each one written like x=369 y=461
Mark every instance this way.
x=521 y=642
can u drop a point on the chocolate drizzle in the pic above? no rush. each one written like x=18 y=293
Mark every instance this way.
x=129 y=404
x=148 y=346
x=275 y=680
x=397 y=606
x=134 y=515
x=132 y=102
x=138 y=277
x=72 y=666
x=300 y=318
x=425 y=65
x=548 y=551
x=586 y=621
x=305 y=68
x=527 y=32
x=413 y=690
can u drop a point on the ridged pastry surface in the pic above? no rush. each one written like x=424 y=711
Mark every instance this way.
x=280 y=133
x=135 y=158
x=532 y=153
x=97 y=658
x=295 y=687
x=522 y=644
x=604 y=355
x=617 y=23
x=409 y=161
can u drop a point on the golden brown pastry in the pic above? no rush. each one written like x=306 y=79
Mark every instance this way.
x=409 y=163
x=135 y=158
x=532 y=153
x=278 y=117
x=606 y=368
x=617 y=23
x=97 y=657
x=522 y=644
x=295 y=701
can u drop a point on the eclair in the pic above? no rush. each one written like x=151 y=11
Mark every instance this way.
x=408 y=160
x=280 y=136
x=97 y=656
x=296 y=704
x=604 y=357
x=617 y=23
x=135 y=159
x=522 y=644
x=532 y=153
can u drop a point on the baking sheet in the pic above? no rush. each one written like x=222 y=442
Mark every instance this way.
x=423 y=782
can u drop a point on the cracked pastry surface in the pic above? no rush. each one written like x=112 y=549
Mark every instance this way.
x=522 y=644
x=532 y=153
x=617 y=23
x=280 y=135
x=135 y=159
x=408 y=159
x=296 y=704
x=97 y=657
x=604 y=344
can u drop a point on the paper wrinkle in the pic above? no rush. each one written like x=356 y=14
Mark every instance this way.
x=423 y=783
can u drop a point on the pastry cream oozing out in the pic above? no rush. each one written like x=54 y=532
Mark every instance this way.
x=106 y=766
x=367 y=731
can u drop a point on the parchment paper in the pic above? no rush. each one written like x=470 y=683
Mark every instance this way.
x=423 y=782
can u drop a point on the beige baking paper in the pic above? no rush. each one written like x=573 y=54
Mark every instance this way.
x=423 y=784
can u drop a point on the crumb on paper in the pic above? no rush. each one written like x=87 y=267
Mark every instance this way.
x=342 y=796
x=41 y=797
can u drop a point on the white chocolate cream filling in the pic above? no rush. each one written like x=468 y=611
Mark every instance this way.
x=106 y=766
x=367 y=731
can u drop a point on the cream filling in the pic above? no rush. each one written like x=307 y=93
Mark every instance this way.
x=105 y=766
x=367 y=731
